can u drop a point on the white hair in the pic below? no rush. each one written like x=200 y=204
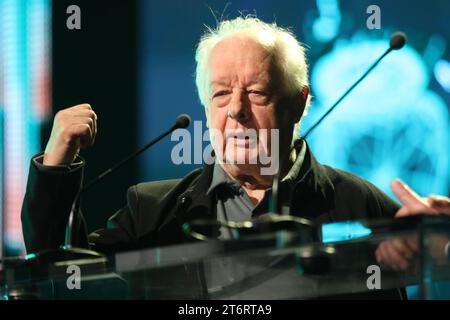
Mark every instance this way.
x=288 y=52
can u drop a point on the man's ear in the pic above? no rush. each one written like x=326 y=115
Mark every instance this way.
x=300 y=104
x=207 y=117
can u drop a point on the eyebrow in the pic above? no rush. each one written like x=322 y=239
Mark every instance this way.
x=258 y=80
x=221 y=82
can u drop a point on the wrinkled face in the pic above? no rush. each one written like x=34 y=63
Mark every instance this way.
x=245 y=83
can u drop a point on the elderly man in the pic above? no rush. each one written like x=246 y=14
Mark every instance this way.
x=250 y=76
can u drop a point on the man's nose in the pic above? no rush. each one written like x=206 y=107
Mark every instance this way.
x=240 y=108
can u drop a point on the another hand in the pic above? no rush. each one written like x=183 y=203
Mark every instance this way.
x=414 y=204
x=73 y=128
x=400 y=253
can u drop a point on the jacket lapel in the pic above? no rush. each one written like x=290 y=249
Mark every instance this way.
x=312 y=195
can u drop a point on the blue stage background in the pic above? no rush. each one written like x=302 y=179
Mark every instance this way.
x=395 y=124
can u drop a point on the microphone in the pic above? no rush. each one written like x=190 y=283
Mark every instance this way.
x=68 y=251
x=181 y=122
x=396 y=42
x=66 y=254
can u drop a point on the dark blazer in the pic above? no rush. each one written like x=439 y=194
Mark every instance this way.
x=155 y=210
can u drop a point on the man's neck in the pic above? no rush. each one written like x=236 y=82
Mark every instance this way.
x=254 y=183
x=251 y=179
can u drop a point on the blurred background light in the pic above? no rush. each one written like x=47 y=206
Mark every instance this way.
x=326 y=27
x=25 y=73
x=391 y=126
x=442 y=74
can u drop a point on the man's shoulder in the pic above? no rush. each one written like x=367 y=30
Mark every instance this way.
x=341 y=179
x=345 y=185
x=359 y=192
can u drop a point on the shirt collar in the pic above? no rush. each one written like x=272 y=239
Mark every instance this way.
x=220 y=177
x=294 y=172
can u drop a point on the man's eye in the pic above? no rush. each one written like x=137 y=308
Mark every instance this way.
x=257 y=93
x=220 y=93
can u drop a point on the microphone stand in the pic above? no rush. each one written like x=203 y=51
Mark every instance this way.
x=69 y=251
x=397 y=41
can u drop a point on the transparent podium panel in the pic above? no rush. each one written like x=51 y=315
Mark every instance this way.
x=273 y=265
x=434 y=265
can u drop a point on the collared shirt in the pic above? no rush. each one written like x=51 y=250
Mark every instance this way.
x=234 y=204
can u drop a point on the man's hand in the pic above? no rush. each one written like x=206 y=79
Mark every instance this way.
x=73 y=128
x=400 y=253
x=414 y=204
